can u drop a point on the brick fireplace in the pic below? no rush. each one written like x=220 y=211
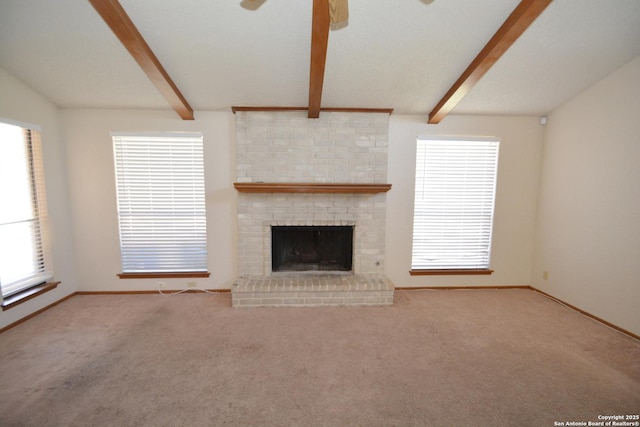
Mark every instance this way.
x=328 y=172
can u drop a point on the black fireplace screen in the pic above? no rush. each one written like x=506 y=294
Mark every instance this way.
x=308 y=248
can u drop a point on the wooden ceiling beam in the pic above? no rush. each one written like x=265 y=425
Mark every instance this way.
x=520 y=19
x=319 y=42
x=117 y=19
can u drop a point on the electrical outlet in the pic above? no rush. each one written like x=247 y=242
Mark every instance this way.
x=161 y=284
x=545 y=275
x=191 y=284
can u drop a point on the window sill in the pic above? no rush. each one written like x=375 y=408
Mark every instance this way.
x=174 y=275
x=24 y=296
x=452 y=271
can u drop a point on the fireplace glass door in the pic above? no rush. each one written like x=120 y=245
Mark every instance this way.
x=311 y=248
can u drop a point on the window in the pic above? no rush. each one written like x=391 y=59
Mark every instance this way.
x=453 y=210
x=161 y=205
x=25 y=261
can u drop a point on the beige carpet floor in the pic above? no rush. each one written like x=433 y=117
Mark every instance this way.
x=436 y=358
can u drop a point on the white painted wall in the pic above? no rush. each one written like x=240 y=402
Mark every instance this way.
x=93 y=200
x=19 y=102
x=589 y=205
x=93 y=194
x=588 y=235
x=516 y=196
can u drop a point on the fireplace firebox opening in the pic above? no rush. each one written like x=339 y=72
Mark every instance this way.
x=311 y=248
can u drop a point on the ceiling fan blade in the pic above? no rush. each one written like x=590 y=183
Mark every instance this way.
x=251 y=4
x=338 y=12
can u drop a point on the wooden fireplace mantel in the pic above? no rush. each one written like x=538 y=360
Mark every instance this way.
x=309 y=187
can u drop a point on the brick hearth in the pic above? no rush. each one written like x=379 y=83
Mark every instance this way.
x=312 y=291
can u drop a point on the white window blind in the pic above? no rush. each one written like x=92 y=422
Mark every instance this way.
x=161 y=203
x=454 y=200
x=25 y=260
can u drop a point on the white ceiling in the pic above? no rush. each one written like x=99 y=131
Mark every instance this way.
x=399 y=54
